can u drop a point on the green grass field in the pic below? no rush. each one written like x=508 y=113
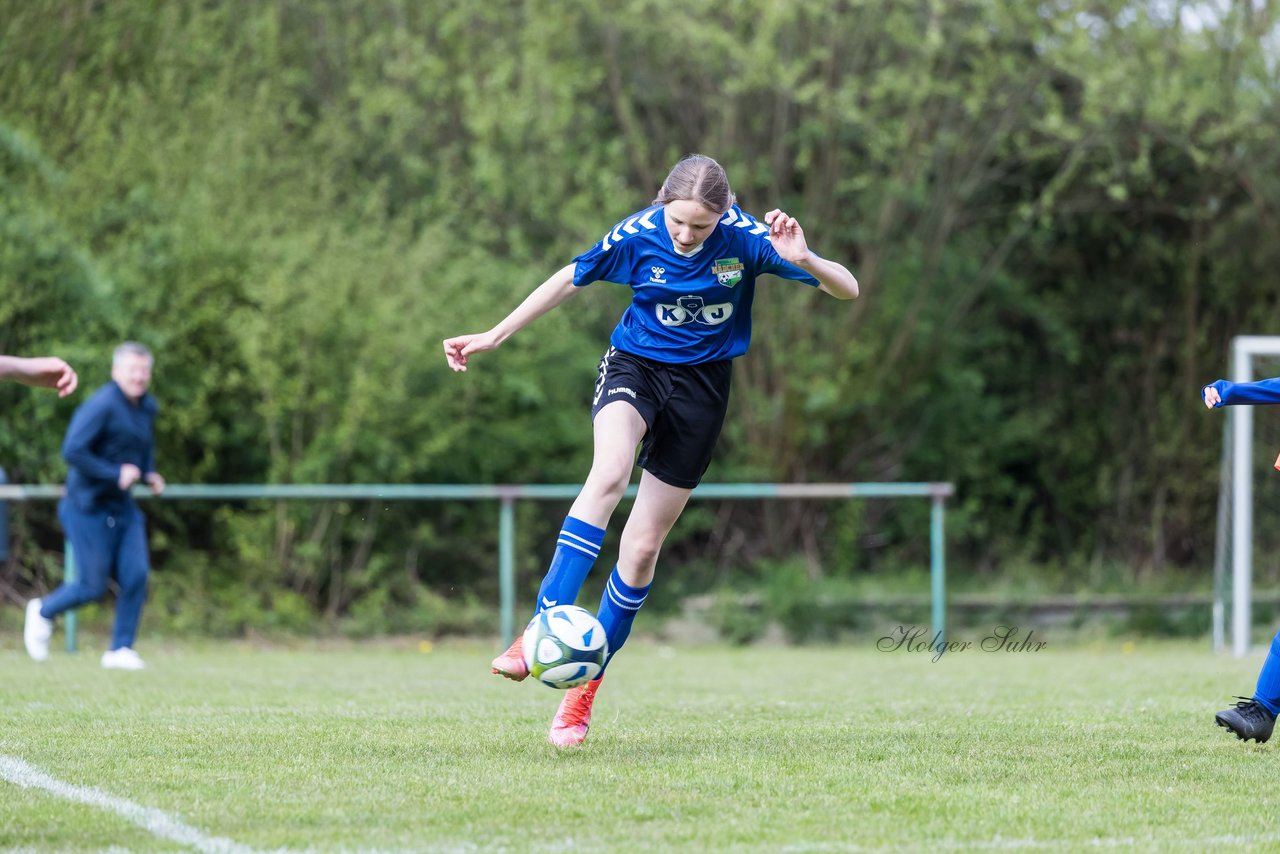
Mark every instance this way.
x=386 y=747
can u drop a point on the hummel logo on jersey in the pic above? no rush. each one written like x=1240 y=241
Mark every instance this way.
x=623 y=390
x=693 y=309
x=656 y=278
x=728 y=271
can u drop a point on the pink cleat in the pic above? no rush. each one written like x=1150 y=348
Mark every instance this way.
x=511 y=663
x=569 y=727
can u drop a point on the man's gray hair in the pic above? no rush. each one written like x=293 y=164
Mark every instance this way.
x=130 y=348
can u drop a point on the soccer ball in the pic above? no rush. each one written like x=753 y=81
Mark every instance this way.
x=565 y=647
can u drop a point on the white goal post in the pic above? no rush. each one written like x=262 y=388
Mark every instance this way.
x=1233 y=551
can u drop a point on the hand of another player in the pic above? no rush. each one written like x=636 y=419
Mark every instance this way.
x=52 y=372
x=156 y=482
x=129 y=474
x=457 y=350
x=1211 y=397
x=787 y=236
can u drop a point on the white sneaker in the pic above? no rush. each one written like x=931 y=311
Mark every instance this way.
x=36 y=632
x=123 y=658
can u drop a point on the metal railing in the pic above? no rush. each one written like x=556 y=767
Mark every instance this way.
x=508 y=494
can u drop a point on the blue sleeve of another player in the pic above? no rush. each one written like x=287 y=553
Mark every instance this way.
x=1237 y=394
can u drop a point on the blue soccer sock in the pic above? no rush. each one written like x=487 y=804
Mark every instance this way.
x=1268 y=692
x=618 y=607
x=576 y=550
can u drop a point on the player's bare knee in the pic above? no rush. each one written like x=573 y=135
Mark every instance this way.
x=639 y=550
x=607 y=482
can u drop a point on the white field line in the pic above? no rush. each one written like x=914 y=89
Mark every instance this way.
x=165 y=826
x=158 y=822
x=150 y=819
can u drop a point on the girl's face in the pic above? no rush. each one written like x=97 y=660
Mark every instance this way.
x=689 y=223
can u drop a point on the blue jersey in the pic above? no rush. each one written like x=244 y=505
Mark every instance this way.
x=686 y=309
x=1236 y=394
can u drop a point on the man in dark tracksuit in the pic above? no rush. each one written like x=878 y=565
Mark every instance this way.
x=109 y=447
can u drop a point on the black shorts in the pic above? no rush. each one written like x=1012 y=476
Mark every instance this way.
x=682 y=405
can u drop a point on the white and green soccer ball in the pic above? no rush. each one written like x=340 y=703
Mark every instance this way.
x=565 y=647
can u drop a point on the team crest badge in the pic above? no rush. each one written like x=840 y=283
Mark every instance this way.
x=728 y=271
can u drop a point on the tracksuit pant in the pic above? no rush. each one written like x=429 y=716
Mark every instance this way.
x=107 y=544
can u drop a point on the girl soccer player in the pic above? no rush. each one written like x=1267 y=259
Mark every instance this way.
x=691 y=259
x=1253 y=717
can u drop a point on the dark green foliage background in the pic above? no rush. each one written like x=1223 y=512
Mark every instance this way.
x=1059 y=213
